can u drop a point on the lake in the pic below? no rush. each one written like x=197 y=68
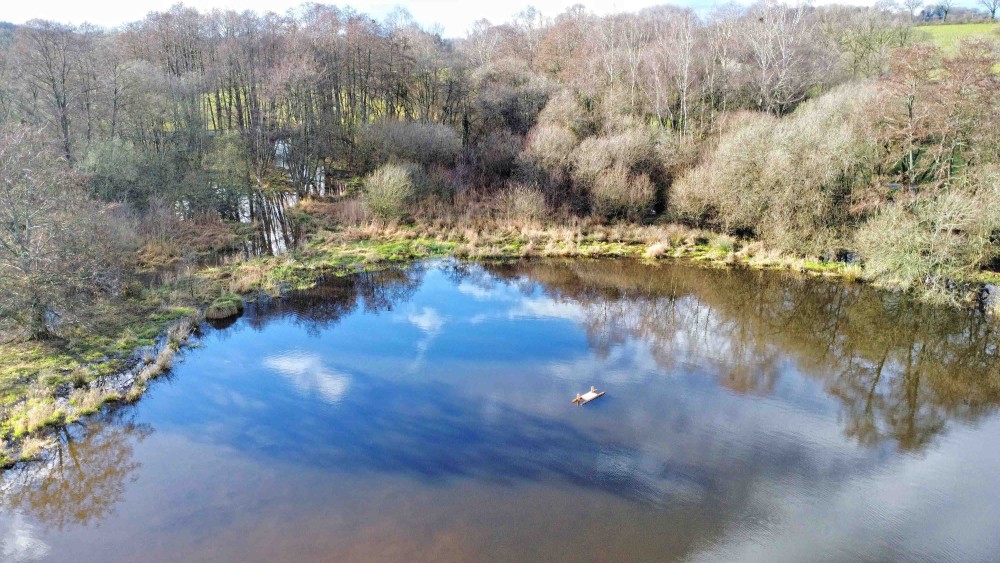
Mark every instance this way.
x=425 y=413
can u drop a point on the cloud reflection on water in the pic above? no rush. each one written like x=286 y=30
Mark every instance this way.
x=307 y=373
x=775 y=409
x=18 y=541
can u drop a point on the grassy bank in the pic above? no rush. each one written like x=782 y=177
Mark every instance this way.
x=374 y=244
x=377 y=244
x=49 y=384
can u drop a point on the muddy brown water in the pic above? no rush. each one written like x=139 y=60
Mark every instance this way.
x=424 y=414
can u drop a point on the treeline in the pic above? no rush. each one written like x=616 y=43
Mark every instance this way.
x=817 y=130
x=187 y=106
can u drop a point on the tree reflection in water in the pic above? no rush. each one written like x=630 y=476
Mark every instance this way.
x=901 y=368
x=323 y=306
x=84 y=478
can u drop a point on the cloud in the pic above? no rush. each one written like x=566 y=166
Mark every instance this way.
x=544 y=308
x=18 y=541
x=933 y=505
x=307 y=374
x=428 y=320
x=476 y=292
x=625 y=363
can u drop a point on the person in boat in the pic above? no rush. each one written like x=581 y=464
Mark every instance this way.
x=579 y=398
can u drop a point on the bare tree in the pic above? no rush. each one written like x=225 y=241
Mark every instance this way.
x=483 y=41
x=784 y=55
x=945 y=6
x=48 y=59
x=57 y=249
x=671 y=66
x=634 y=38
x=991 y=7
x=912 y=6
x=530 y=23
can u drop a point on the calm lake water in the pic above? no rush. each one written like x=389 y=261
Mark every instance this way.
x=425 y=414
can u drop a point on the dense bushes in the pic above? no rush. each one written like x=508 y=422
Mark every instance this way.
x=551 y=148
x=615 y=170
x=59 y=251
x=654 y=116
x=572 y=110
x=790 y=182
x=495 y=158
x=610 y=169
x=113 y=171
x=934 y=240
x=510 y=96
x=616 y=193
x=401 y=141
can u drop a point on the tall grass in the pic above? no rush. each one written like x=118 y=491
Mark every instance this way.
x=520 y=202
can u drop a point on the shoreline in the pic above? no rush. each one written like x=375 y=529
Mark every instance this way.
x=33 y=413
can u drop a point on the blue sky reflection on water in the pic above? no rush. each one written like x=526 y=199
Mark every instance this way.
x=430 y=409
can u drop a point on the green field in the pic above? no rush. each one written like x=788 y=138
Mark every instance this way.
x=947 y=36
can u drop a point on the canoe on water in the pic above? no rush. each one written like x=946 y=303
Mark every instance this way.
x=588 y=396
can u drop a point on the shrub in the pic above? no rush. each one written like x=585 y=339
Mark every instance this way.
x=433 y=182
x=591 y=158
x=226 y=162
x=551 y=147
x=790 y=182
x=521 y=202
x=632 y=150
x=405 y=141
x=329 y=214
x=571 y=110
x=112 y=169
x=510 y=95
x=616 y=193
x=388 y=190
x=934 y=240
x=495 y=157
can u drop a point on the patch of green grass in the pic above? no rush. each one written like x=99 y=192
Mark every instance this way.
x=405 y=250
x=33 y=372
x=228 y=305
x=820 y=266
x=597 y=249
x=947 y=36
x=34 y=415
x=989 y=277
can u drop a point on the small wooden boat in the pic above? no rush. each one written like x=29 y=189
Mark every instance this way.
x=588 y=396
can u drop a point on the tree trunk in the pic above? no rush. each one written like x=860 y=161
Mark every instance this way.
x=38 y=328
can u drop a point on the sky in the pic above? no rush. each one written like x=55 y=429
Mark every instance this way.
x=455 y=17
